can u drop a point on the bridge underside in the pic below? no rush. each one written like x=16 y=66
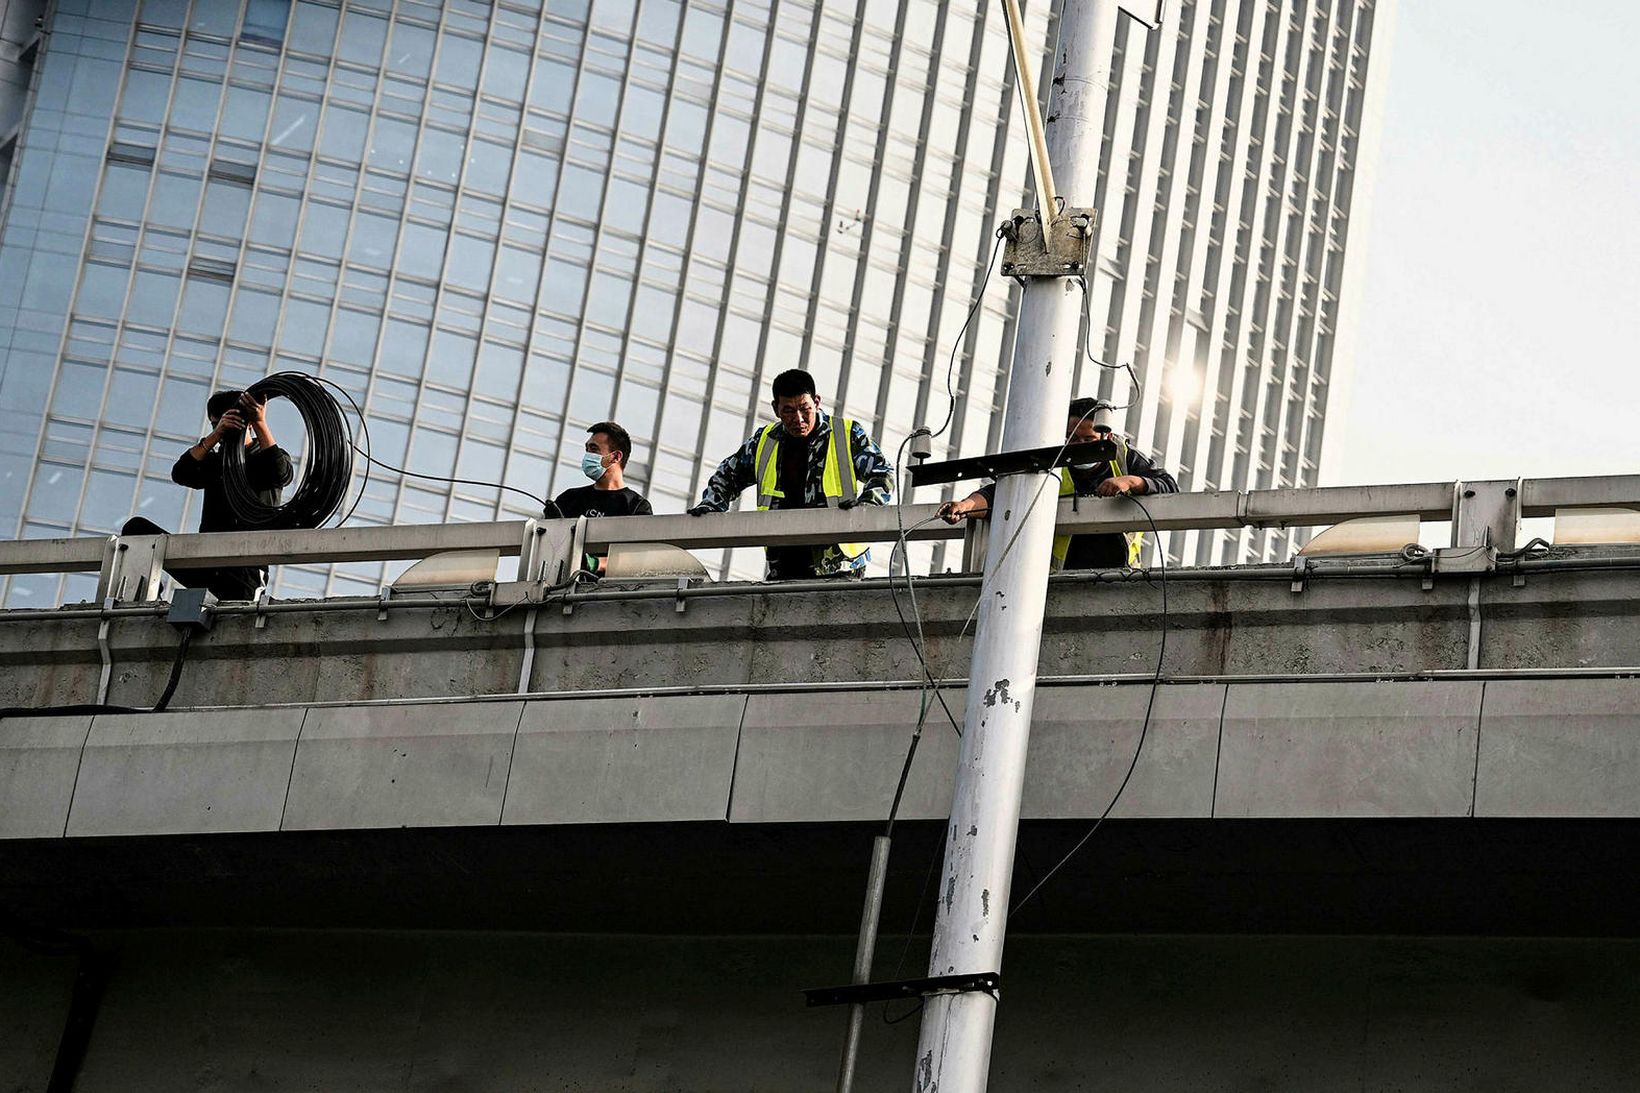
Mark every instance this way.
x=1379 y=836
x=1496 y=878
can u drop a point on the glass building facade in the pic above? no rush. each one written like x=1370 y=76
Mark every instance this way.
x=495 y=224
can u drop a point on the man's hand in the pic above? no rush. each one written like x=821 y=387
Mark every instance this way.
x=1123 y=484
x=955 y=512
x=700 y=510
x=250 y=411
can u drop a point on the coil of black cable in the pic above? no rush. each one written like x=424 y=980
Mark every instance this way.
x=326 y=469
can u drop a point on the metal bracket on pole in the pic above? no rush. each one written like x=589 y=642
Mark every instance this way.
x=866 y=993
x=1028 y=461
x=1301 y=567
x=262 y=607
x=1060 y=251
x=683 y=585
x=381 y=604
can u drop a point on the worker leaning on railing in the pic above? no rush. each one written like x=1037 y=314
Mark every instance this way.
x=1129 y=472
x=806 y=460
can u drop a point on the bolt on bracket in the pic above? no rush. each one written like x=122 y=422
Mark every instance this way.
x=1060 y=252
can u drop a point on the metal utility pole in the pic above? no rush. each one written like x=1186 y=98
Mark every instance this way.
x=954 y=1052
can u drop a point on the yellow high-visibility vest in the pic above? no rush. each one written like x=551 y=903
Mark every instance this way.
x=1067 y=487
x=837 y=480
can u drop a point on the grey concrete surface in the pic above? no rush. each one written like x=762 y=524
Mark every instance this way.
x=402 y=766
x=624 y=760
x=807 y=757
x=1394 y=749
x=1397 y=748
x=371 y=1012
x=1349 y=749
x=1084 y=740
x=39 y=759
x=1549 y=748
x=156 y=774
x=1577 y=619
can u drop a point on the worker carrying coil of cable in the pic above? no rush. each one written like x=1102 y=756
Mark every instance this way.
x=237 y=417
x=1125 y=472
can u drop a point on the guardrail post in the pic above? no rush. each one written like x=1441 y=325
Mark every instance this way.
x=137 y=567
x=529 y=552
x=110 y=562
x=1486 y=514
x=975 y=534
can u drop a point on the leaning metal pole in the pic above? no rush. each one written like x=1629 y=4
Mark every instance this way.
x=954 y=1052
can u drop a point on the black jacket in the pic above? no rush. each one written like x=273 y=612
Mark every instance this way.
x=268 y=470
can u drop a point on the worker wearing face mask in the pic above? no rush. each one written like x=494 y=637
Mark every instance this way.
x=608 y=449
x=1129 y=472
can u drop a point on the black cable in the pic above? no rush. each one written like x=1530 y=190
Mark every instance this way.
x=1144 y=728
x=951 y=366
x=83 y=708
x=918 y=640
x=176 y=671
x=911 y=934
x=364 y=429
x=1087 y=349
x=327 y=468
x=327 y=464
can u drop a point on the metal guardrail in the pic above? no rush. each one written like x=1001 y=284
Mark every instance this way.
x=1483 y=514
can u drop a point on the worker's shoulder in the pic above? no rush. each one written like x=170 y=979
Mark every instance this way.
x=1136 y=452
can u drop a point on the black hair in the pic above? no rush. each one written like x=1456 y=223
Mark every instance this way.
x=220 y=403
x=619 y=439
x=792 y=383
x=1084 y=408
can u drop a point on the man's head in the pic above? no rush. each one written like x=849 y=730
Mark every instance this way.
x=220 y=403
x=795 y=403
x=1085 y=419
x=610 y=443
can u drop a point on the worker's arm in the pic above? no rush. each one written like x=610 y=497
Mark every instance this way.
x=255 y=416
x=1144 y=476
x=731 y=477
x=976 y=506
x=872 y=470
x=191 y=470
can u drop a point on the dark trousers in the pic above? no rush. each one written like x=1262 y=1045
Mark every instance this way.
x=225 y=583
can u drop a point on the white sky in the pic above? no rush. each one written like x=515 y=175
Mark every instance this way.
x=1500 y=308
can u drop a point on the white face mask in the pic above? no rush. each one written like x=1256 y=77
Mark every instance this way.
x=592 y=465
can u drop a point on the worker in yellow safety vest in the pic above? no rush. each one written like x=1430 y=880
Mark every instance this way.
x=1130 y=472
x=807 y=459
